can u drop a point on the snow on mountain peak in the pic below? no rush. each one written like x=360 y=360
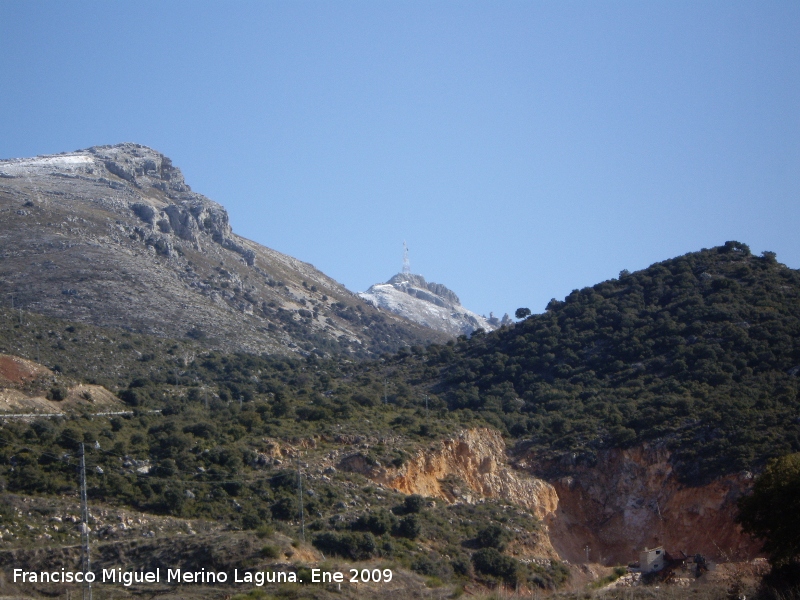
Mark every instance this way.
x=430 y=304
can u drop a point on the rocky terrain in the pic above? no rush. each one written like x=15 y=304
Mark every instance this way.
x=628 y=501
x=114 y=236
x=429 y=304
x=632 y=499
x=28 y=388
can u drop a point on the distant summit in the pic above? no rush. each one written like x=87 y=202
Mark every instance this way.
x=430 y=304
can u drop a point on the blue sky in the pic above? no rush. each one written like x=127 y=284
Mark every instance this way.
x=522 y=149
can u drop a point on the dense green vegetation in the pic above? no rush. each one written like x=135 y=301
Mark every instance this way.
x=701 y=352
x=772 y=511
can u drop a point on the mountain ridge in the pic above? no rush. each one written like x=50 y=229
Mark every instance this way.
x=114 y=236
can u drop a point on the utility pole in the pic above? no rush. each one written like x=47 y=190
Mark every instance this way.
x=205 y=395
x=85 y=560
x=300 y=501
x=385 y=391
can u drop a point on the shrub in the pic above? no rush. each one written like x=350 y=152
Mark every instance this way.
x=493 y=536
x=413 y=504
x=265 y=531
x=57 y=393
x=355 y=546
x=378 y=523
x=408 y=527
x=270 y=551
x=489 y=561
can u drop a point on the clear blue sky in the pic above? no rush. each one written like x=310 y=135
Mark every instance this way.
x=522 y=149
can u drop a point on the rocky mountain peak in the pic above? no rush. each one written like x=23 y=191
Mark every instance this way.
x=415 y=285
x=427 y=303
x=141 y=166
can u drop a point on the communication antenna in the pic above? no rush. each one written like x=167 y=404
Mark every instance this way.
x=406 y=262
x=86 y=563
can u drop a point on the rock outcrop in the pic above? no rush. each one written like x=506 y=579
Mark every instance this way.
x=476 y=460
x=630 y=499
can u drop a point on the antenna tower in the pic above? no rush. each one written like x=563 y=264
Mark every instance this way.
x=86 y=563
x=406 y=262
x=300 y=501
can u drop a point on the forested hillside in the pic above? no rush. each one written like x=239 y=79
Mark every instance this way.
x=702 y=351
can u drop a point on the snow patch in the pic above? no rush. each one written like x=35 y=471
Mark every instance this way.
x=428 y=304
x=67 y=162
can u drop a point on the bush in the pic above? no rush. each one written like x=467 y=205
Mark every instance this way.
x=772 y=511
x=265 y=531
x=131 y=397
x=355 y=546
x=285 y=508
x=431 y=566
x=408 y=527
x=378 y=523
x=57 y=393
x=493 y=536
x=270 y=551
x=413 y=504
x=489 y=561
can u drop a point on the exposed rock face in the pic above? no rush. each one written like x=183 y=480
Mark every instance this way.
x=429 y=304
x=114 y=236
x=631 y=499
x=477 y=457
x=24 y=387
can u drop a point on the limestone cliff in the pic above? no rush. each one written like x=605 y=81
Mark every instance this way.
x=628 y=500
x=476 y=457
x=470 y=467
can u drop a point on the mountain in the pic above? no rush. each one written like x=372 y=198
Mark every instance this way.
x=113 y=236
x=429 y=304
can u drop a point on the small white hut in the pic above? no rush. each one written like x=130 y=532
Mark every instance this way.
x=652 y=560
